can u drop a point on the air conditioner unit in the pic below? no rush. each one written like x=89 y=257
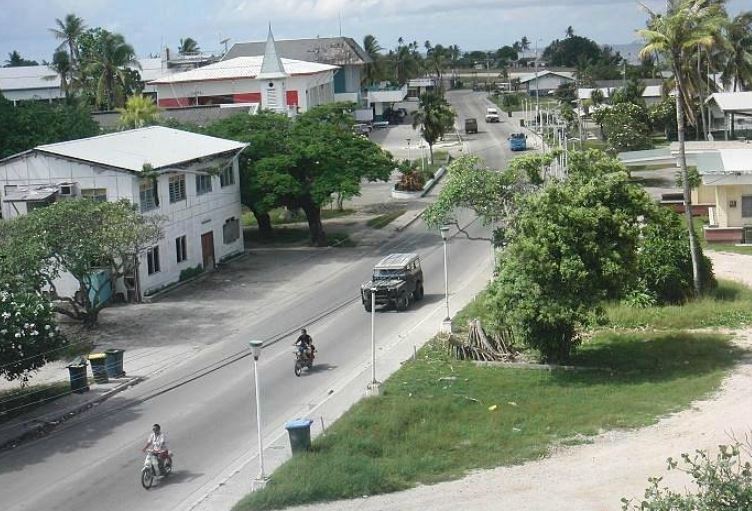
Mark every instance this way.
x=67 y=190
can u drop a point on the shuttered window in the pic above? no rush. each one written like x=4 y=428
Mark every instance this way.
x=747 y=206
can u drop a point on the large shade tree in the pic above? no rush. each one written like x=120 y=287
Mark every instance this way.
x=686 y=25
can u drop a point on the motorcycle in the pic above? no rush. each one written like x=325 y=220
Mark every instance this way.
x=303 y=358
x=151 y=471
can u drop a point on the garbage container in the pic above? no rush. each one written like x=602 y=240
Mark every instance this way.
x=522 y=123
x=300 y=434
x=114 y=362
x=78 y=380
x=98 y=367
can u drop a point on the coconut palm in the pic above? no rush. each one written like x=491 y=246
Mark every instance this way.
x=68 y=30
x=737 y=71
x=109 y=68
x=139 y=111
x=62 y=65
x=434 y=118
x=374 y=69
x=687 y=24
x=188 y=46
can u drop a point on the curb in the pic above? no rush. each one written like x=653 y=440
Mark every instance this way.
x=45 y=425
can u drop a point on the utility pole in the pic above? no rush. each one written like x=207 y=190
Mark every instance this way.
x=537 y=100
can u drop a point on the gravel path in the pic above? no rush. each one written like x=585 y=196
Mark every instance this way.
x=595 y=477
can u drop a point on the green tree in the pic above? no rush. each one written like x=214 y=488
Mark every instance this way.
x=626 y=126
x=688 y=24
x=139 y=111
x=434 y=117
x=79 y=237
x=16 y=60
x=375 y=68
x=737 y=69
x=62 y=65
x=109 y=67
x=68 y=30
x=566 y=92
x=29 y=336
x=33 y=123
x=663 y=116
x=188 y=46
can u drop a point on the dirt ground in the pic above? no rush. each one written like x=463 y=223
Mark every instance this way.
x=596 y=476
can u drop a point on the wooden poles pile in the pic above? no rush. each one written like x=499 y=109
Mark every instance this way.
x=479 y=346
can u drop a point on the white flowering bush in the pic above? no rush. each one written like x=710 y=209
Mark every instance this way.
x=29 y=336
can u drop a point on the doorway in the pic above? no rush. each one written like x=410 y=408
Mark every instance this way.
x=207 y=250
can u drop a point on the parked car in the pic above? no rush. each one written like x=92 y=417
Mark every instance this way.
x=471 y=125
x=397 y=280
x=492 y=115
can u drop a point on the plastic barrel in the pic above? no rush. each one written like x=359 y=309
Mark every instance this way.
x=299 y=431
x=114 y=362
x=78 y=379
x=98 y=367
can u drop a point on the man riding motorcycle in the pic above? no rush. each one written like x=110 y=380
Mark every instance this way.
x=305 y=344
x=157 y=442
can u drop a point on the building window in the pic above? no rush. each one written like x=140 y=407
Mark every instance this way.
x=147 y=195
x=203 y=184
x=231 y=230
x=152 y=260
x=227 y=177
x=177 y=188
x=95 y=194
x=746 y=206
x=181 y=249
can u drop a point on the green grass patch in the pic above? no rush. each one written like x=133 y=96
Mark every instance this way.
x=19 y=401
x=727 y=306
x=382 y=221
x=340 y=240
x=434 y=420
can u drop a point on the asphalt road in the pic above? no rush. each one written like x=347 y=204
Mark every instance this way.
x=92 y=462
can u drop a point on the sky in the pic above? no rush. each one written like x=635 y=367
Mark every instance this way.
x=149 y=25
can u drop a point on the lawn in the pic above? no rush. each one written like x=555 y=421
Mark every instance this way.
x=438 y=417
x=382 y=221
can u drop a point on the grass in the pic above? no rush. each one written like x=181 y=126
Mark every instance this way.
x=382 y=221
x=340 y=240
x=727 y=306
x=19 y=401
x=438 y=417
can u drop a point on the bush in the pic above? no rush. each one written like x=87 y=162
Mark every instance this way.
x=189 y=273
x=412 y=179
x=664 y=262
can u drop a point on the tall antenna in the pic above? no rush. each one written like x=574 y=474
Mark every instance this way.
x=339 y=18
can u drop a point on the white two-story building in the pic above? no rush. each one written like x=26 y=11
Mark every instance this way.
x=192 y=182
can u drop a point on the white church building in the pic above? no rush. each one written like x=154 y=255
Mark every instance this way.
x=196 y=191
x=267 y=82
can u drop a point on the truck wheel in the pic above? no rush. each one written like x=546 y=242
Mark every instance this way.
x=402 y=302
x=418 y=294
x=367 y=306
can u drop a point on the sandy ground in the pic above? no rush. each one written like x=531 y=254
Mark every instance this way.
x=595 y=477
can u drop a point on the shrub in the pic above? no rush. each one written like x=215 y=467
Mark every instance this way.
x=411 y=179
x=189 y=273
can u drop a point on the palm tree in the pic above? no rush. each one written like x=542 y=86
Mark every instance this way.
x=434 y=118
x=188 y=46
x=736 y=71
x=687 y=24
x=62 y=65
x=139 y=111
x=374 y=69
x=570 y=31
x=68 y=30
x=109 y=67
x=524 y=43
x=15 y=60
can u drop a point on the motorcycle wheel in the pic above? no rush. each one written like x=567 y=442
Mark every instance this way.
x=298 y=368
x=168 y=467
x=147 y=478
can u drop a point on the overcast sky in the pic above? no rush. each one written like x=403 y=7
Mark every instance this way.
x=472 y=24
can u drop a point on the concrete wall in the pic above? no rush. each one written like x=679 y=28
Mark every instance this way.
x=200 y=115
x=50 y=94
x=729 y=216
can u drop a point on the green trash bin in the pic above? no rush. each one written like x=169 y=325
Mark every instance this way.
x=114 y=362
x=78 y=378
x=99 y=367
x=299 y=431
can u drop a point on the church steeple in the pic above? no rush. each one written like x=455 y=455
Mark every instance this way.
x=271 y=66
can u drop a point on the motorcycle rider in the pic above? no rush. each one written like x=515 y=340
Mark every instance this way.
x=157 y=442
x=305 y=344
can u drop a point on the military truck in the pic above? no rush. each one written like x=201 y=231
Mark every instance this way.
x=397 y=280
x=471 y=125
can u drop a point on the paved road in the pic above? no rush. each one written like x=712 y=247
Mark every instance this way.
x=92 y=462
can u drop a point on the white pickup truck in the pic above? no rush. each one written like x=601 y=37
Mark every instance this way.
x=492 y=115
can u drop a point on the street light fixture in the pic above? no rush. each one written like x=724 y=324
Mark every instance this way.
x=256 y=349
x=447 y=323
x=374 y=383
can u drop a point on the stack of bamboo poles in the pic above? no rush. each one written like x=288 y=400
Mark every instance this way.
x=479 y=346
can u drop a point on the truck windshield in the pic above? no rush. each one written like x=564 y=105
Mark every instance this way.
x=386 y=274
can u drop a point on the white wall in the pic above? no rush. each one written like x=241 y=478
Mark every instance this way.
x=192 y=217
x=34 y=94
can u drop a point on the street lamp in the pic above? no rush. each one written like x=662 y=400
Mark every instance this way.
x=374 y=383
x=256 y=348
x=447 y=323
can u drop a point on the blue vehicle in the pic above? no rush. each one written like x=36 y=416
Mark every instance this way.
x=518 y=142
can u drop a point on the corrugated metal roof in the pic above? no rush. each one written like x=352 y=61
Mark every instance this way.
x=242 y=67
x=337 y=51
x=158 y=146
x=733 y=101
x=564 y=74
x=651 y=91
x=28 y=78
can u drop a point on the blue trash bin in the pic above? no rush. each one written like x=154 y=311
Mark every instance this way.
x=113 y=362
x=299 y=431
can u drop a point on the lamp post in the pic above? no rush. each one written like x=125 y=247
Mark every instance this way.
x=447 y=323
x=374 y=383
x=256 y=348
x=408 y=149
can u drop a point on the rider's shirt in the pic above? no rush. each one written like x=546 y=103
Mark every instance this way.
x=158 y=441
